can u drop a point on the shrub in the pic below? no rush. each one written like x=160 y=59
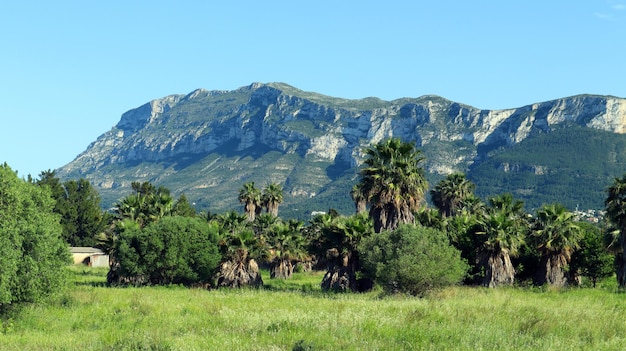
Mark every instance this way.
x=412 y=259
x=32 y=251
x=174 y=250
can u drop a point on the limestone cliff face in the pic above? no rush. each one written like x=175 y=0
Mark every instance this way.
x=278 y=118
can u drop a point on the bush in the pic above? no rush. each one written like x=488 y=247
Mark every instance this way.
x=412 y=260
x=32 y=251
x=174 y=250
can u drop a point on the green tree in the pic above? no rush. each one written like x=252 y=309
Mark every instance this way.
x=272 y=197
x=451 y=193
x=393 y=182
x=78 y=204
x=182 y=207
x=174 y=250
x=32 y=251
x=592 y=260
x=250 y=197
x=616 y=213
x=557 y=236
x=412 y=259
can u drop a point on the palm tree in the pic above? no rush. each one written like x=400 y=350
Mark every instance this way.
x=557 y=235
x=615 y=204
x=272 y=197
x=450 y=194
x=502 y=232
x=146 y=205
x=338 y=242
x=250 y=197
x=393 y=182
x=241 y=249
x=287 y=246
x=263 y=222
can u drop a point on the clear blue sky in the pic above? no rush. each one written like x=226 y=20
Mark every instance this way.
x=69 y=69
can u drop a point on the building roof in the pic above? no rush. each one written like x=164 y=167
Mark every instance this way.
x=85 y=250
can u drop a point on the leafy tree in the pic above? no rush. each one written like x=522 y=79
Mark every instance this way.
x=272 y=197
x=78 y=204
x=616 y=212
x=174 y=250
x=462 y=230
x=32 y=251
x=412 y=259
x=182 y=207
x=592 y=260
x=250 y=197
x=451 y=193
x=557 y=236
x=393 y=182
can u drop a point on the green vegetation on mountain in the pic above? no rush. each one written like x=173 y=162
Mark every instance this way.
x=571 y=164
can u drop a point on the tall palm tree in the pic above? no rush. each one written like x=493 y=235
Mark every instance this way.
x=272 y=197
x=450 y=194
x=615 y=204
x=502 y=232
x=393 y=182
x=359 y=198
x=557 y=235
x=250 y=197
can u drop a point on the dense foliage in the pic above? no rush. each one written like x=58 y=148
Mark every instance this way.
x=32 y=251
x=174 y=250
x=78 y=204
x=412 y=259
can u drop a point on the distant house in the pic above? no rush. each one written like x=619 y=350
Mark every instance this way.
x=90 y=256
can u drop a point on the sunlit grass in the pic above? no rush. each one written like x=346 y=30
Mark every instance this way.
x=285 y=313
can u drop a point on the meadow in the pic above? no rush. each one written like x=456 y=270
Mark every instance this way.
x=296 y=314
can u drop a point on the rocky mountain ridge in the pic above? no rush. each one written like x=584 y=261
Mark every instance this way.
x=308 y=141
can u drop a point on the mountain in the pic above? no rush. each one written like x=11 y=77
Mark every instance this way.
x=208 y=143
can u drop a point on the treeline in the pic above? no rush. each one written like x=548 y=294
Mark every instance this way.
x=393 y=240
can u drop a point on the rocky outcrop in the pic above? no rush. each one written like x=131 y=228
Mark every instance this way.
x=275 y=117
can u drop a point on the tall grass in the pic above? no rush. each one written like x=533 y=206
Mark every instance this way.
x=296 y=313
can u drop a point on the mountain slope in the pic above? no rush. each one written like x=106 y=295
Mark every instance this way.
x=208 y=143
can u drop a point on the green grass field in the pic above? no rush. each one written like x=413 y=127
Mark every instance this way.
x=292 y=313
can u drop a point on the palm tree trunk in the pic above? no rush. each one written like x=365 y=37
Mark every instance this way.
x=498 y=269
x=389 y=216
x=621 y=269
x=238 y=272
x=340 y=277
x=552 y=271
x=281 y=269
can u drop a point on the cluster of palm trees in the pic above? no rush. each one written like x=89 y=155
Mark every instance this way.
x=393 y=186
x=254 y=201
x=391 y=192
